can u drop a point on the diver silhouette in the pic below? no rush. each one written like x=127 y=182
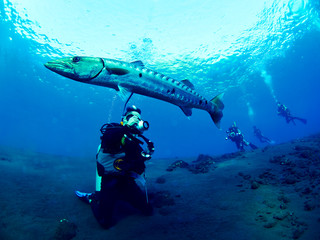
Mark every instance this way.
x=235 y=135
x=260 y=136
x=285 y=112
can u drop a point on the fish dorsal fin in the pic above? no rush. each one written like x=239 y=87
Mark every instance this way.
x=187 y=111
x=188 y=83
x=123 y=92
x=138 y=63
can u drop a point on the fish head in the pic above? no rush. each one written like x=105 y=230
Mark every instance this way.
x=82 y=69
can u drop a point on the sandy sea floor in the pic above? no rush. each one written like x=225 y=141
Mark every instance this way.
x=269 y=193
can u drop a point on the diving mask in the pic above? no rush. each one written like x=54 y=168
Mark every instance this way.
x=133 y=120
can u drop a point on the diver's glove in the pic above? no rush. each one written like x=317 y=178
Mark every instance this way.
x=150 y=150
x=150 y=147
x=145 y=155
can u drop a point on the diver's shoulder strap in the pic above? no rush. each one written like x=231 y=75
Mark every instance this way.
x=106 y=126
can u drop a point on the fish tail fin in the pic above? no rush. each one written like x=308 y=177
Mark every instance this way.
x=217 y=114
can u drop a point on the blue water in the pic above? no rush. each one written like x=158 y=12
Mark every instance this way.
x=254 y=51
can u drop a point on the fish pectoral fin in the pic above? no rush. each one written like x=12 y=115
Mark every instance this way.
x=188 y=83
x=187 y=111
x=118 y=71
x=123 y=92
x=138 y=63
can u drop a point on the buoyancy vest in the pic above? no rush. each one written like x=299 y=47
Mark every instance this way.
x=120 y=151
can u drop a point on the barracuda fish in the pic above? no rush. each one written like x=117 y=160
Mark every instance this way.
x=133 y=77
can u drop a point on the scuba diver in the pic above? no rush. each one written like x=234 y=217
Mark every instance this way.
x=235 y=135
x=258 y=134
x=285 y=112
x=120 y=166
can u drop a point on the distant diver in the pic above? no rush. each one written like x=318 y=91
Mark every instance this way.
x=120 y=165
x=258 y=134
x=285 y=112
x=133 y=77
x=235 y=135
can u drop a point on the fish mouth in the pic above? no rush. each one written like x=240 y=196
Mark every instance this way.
x=57 y=66
x=62 y=68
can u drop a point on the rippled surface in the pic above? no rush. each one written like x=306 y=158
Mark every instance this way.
x=217 y=44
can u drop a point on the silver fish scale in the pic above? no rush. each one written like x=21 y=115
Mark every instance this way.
x=161 y=85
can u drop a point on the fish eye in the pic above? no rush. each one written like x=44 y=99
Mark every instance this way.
x=76 y=59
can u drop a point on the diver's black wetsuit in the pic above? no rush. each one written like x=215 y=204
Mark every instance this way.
x=235 y=135
x=118 y=182
x=285 y=112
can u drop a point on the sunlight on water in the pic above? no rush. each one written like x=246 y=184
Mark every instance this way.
x=185 y=26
